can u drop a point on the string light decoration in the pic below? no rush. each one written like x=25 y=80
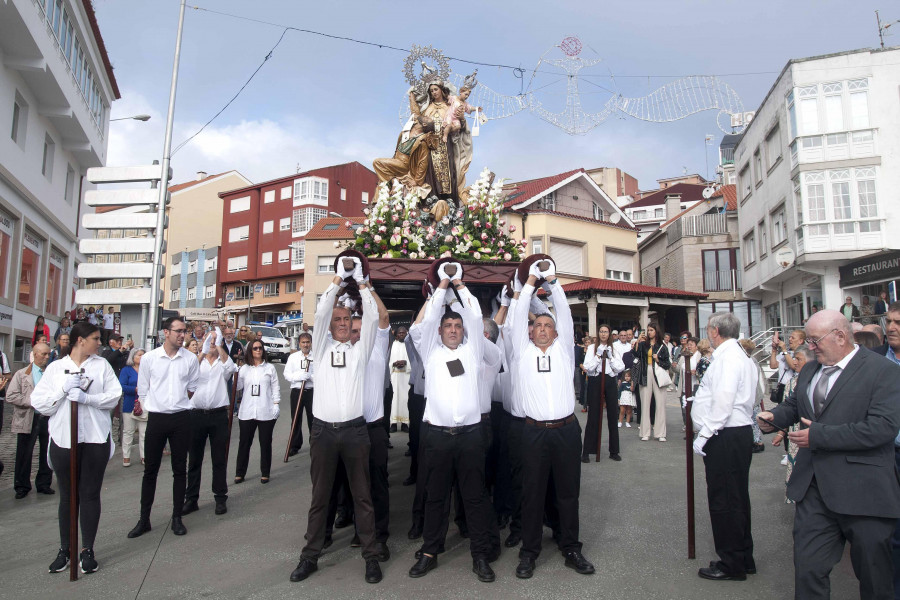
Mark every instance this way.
x=672 y=101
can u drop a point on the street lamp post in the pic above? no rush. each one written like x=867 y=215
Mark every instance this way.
x=134 y=118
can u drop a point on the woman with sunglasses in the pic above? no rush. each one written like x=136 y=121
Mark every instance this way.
x=259 y=409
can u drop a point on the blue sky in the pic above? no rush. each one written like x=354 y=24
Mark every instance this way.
x=319 y=101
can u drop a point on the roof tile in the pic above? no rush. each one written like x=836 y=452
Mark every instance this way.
x=625 y=287
x=340 y=232
x=521 y=191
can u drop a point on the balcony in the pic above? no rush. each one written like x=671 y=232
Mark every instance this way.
x=833 y=146
x=696 y=226
x=841 y=236
x=728 y=280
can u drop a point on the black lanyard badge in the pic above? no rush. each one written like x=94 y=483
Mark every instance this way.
x=455 y=367
x=304 y=364
x=254 y=389
x=338 y=359
x=543 y=364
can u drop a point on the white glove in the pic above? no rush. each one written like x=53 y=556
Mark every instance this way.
x=207 y=341
x=76 y=395
x=442 y=273
x=72 y=382
x=357 y=271
x=517 y=285
x=683 y=401
x=533 y=270
x=220 y=339
x=277 y=410
x=304 y=376
x=342 y=272
x=698 y=445
x=459 y=271
x=504 y=298
x=549 y=272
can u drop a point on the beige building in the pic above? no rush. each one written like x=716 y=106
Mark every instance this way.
x=324 y=242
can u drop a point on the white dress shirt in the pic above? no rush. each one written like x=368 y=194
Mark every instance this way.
x=545 y=396
x=728 y=392
x=593 y=362
x=490 y=369
x=373 y=392
x=452 y=401
x=94 y=422
x=339 y=390
x=262 y=392
x=834 y=376
x=621 y=348
x=212 y=384
x=512 y=400
x=416 y=369
x=502 y=384
x=164 y=382
x=296 y=372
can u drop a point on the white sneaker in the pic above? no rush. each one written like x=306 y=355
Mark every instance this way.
x=784 y=460
x=662 y=439
x=646 y=438
x=628 y=425
x=620 y=426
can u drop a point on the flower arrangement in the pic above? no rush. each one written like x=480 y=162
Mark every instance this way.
x=398 y=226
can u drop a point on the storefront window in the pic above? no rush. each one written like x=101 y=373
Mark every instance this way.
x=31 y=267
x=748 y=313
x=54 y=282
x=793 y=309
x=6 y=231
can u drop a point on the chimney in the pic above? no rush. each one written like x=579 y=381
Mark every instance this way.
x=673 y=205
x=201 y=175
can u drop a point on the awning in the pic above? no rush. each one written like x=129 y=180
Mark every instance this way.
x=237 y=308
x=201 y=314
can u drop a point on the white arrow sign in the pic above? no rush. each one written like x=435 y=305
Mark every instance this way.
x=117 y=246
x=118 y=221
x=125 y=174
x=113 y=296
x=127 y=197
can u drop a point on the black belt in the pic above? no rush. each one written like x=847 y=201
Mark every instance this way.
x=515 y=418
x=551 y=424
x=455 y=430
x=209 y=411
x=486 y=416
x=376 y=424
x=351 y=423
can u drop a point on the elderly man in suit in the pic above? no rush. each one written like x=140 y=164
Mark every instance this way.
x=30 y=425
x=844 y=481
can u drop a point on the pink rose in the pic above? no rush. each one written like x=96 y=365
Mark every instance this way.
x=406 y=223
x=476 y=223
x=484 y=236
x=382 y=229
x=507 y=256
x=446 y=254
x=377 y=238
x=502 y=222
x=448 y=238
x=512 y=228
x=488 y=225
x=395 y=218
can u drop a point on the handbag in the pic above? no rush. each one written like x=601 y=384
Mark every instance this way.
x=777 y=394
x=138 y=410
x=662 y=376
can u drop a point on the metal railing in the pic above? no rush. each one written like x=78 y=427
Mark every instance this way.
x=697 y=225
x=726 y=280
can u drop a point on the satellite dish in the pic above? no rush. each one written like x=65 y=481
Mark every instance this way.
x=615 y=217
x=708 y=191
x=785 y=257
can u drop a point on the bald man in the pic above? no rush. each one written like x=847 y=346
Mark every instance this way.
x=844 y=480
x=877 y=330
x=30 y=426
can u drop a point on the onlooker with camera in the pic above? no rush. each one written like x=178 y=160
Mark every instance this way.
x=782 y=358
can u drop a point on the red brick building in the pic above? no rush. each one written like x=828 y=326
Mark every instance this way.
x=264 y=227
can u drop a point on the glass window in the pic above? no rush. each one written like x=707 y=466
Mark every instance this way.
x=757 y=163
x=834 y=113
x=298 y=255
x=365 y=197
x=54 y=282
x=285 y=193
x=859 y=110
x=840 y=192
x=325 y=264
x=835 y=139
x=284 y=224
x=268 y=226
x=269 y=197
x=47 y=159
x=237 y=234
x=237 y=263
x=176 y=294
x=30 y=270
x=284 y=255
x=210 y=291
x=815 y=196
x=271 y=289
x=809 y=116
x=658 y=213
x=811 y=142
x=6 y=231
x=240 y=204
x=749 y=249
x=267 y=258
x=305 y=218
x=290 y=287
x=779 y=225
x=192 y=293
x=537 y=246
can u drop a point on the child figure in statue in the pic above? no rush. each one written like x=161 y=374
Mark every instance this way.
x=451 y=123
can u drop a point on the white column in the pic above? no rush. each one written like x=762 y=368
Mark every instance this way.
x=592 y=316
x=692 y=320
x=645 y=317
x=832 y=294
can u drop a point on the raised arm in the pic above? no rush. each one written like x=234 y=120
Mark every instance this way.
x=384 y=319
x=472 y=319
x=370 y=318
x=519 y=327
x=565 y=327
x=323 y=318
x=427 y=330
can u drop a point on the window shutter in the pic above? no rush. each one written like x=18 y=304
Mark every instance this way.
x=619 y=261
x=569 y=257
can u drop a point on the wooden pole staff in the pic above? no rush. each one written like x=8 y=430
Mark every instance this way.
x=73 y=489
x=287 y=451
x=602 y=403
x=234 y=380
x=689 y=457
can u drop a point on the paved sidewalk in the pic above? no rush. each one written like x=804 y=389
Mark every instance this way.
x=632 y=526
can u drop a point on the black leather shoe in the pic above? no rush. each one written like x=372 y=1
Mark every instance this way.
x=47 y=491
x=751 y=570
x=615 y=457
x=502 y=521
x=421 y=568
x=178 y=527
x=221 y=507
x=294 y=452
x=384 y=553
x=525 y=569
x=373 y=571
x=21 y=494
x=574 y=560
x=409 y=481
x=304 y=569
x=390 y=445
x=393 y=428
x=140 y=529
x=483 y=570
x=717 y=574
x=355 y=542
x=407 y=453
x=342 y=521
x=512 y=540
x=415 y=532
x=585 y=459
x=189 y=507
x=404 y=428
x=328 y=541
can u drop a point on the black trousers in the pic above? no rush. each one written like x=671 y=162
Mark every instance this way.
x=92 y=460
x=592 y=427
x=306 y=402
x=418 y=508
x=557 y=453
x=727 y=464
x=174 y=428
x=25 y=452
x=328 y=445
x=247 y=433
x=513 y=505
x=211 y=425
x=819 y=538
x=461 y=455
x=416 y=405
x=342 y=497
x=388 y=401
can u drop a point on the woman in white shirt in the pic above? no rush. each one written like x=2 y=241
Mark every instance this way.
x=259 y=409
x=85 y=378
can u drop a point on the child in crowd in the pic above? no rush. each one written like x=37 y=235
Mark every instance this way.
x=626 y=399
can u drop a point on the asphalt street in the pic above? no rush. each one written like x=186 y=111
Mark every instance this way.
x=633 y=526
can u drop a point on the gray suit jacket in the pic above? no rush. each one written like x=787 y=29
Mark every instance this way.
x=851 y=445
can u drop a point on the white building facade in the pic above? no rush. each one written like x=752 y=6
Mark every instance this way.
x=818 y=173
x=56 y=87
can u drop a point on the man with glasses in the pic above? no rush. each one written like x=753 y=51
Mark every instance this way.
x=167 y=380
x=844 y=479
